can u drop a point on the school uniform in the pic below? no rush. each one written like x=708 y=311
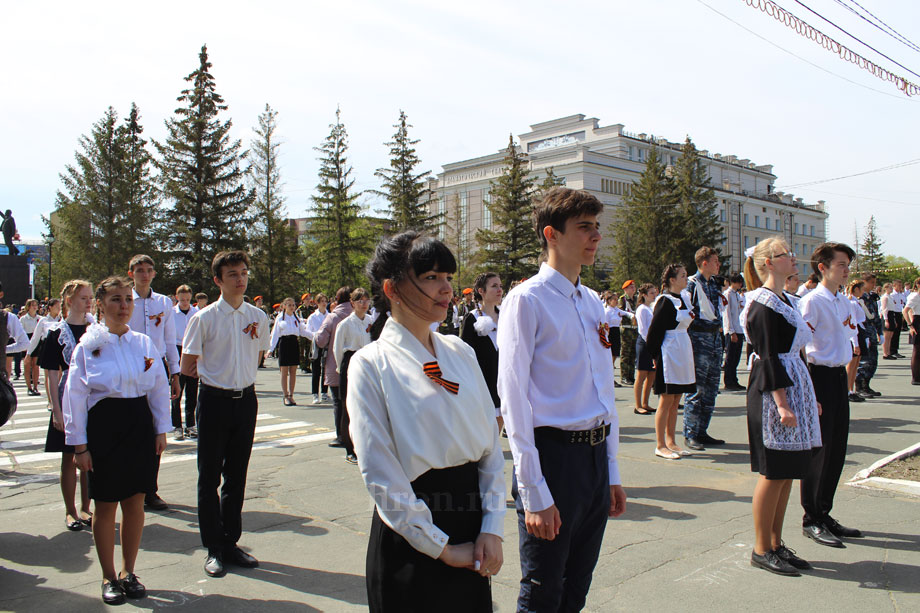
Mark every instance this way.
x=116 y=401
x=644 y=316
x=29 y=324
x=778 y=332
x=351 y=335
x=317 y=353
x=480 y=332
x=828 y=351
x=894 y=308
x=731 y=324
x=555 y=379
x=187 y=385
x=285 y=334
x=57 y=351
x=227 y=342
x=45 y=323
x=669 y=344
x=429 y=453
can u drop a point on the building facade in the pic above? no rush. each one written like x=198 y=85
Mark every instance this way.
x=607 y=160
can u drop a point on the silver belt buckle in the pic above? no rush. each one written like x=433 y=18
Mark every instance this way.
x=237 y=394
x=601 y=433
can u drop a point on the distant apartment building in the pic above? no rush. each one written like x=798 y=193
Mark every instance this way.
x=607 y=160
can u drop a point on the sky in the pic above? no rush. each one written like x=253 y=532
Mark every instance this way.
x=468 y=74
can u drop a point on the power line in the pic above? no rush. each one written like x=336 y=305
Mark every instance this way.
x=865 y=44
x=884 y=27
x=858 y=174
x=799 y=57
x=810 y=32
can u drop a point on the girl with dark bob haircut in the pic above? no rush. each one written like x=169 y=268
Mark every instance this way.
x=424 y=430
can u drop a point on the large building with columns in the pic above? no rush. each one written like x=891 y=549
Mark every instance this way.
x=607 y=160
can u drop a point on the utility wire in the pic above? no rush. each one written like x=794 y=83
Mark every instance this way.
x=858 y=174
x=884 y=27
x=799 y=57
x=861 y=42
x=804 y=29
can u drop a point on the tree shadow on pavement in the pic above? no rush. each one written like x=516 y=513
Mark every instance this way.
x=159 y=599
x=878 y=575
x=881 y=425
x=637 y=434
x=636 y=511
x=340 y=586
x=685 y=494
x=66 y=551
x=25 y=592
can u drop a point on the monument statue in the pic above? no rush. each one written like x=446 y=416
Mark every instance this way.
x=8 y=227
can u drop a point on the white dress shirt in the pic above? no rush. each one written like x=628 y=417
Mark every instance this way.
x=180 y=321
x=350 y=335
x=128 y=366
x=153 y=316
x=827 y=314
x=404 y=424
x=286 y=325
x=29 y=323
x=41 y=331
x=615 y=315
x=803 y=289
x=18 y=339
x=644 y=316
x=913 y=303
x=314 y=322
x=553 y=371
x=226 y=346
x=731 y=322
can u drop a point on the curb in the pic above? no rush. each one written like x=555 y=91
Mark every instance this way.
x=864 y=479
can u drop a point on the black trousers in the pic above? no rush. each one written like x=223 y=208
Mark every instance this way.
x=343 y=420
x=318 y=366
x=189 y=387
x=732 y=358
x=820 y=482
x=915 y=356
x=556 y=575
x=894 y=325
x=337 y=411
x=226 y=427
x=156 y=472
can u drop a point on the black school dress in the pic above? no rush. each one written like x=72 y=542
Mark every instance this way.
x=52 y=358
x=486 y=354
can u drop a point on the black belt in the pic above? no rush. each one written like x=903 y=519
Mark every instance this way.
x=219 y=391
x=594 y=436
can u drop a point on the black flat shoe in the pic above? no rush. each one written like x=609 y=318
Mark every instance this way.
x=88 y=522
x=821 y=535
x=841 y=531
x=854 y=397
x=214 y=566
x=770 y=561
x=74 y=526
x=694 y=444
x=132 y=587
x=156 y=503
x=788 y=555
x=238 y=557
x=871 y=392
x=643 y=412
x=615 y=384
x=112 y=593
x=708 y=440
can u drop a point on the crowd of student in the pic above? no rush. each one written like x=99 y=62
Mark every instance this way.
x=424 y=383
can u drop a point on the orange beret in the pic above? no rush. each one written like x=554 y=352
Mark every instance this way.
x=468 y=290
x=257 y=298
x=305 y=296
x=627 y=283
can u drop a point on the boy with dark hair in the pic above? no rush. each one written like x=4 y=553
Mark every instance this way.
x=222 y=347
x=201 y=300
x=734 y=335
x=556 y=385
x=827 y=311
x=182 y=312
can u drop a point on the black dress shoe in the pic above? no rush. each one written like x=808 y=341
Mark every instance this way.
x=788 y=555
x=841 y=531
x=694 y=444
x=214 y=566
x=735 y=387
x=152 y=501
x=821 y=535
x=772 y=562
x=112 y=592
x=615 y=384
x=708 y=440
x=336 y=443
x=871 y=392
x=132 y=587
x=899 y=356
x=236 y=556
x=889 y=357
x=854 y=397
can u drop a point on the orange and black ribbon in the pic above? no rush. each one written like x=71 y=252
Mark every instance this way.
x=252 y=330
x=158 y=317
x=603 y=331
x=148 y=362
x=434 y=373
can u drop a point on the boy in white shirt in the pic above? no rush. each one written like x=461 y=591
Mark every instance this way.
x=182 y=313
x=353 y=333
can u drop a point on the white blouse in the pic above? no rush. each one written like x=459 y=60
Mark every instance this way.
x=314 y=323
x=287 y=325
x=644 y=316
x=615 y=315
x=404 y=424
x=127 y=366
x=29 y=323
x=42 y=328
x=350 y=335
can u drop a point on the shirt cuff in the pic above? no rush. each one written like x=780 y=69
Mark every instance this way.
x=536 y=497
x=430 y=542
x=75 y=439
x=613 y=467
x=493 y=523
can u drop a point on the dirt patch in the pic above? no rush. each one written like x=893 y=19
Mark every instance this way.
x=906 y=468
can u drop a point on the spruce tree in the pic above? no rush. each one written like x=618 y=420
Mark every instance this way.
x=512 y=249
x=141 y=224
x=342 y=239
x=203 y=176
x=697 y=206
x=871 y=257
x=647 y=226
x=273 y=243
x=549 y=182
x=404 y=189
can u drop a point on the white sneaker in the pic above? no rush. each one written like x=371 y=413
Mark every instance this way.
x=315 y=398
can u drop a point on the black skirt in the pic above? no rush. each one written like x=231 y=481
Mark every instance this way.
x=401 y=578
x=614 y=337
x=288 y=351
x=122 y=442
x=643 y=356
x=771 y=463
x=54 y=439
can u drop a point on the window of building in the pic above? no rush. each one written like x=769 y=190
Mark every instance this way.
x=812 y=231
x=632 y=152
x=746 y=219
x=747 y=242
x=722 y=215
x=464 y=218
x=486 y=211
x=756 y=221
x=796 y=228
x=767 y=222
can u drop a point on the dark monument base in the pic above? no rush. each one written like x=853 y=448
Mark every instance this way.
x=14 y=274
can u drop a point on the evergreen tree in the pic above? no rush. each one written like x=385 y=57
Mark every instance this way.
x=404 y=189
x=647 y=226
x=342 y=237
x=871 y=257
x=273 y=242
x=549 y=182
x=512 y=248
x=202 y=175
x=697 y=206
x=141 y=224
